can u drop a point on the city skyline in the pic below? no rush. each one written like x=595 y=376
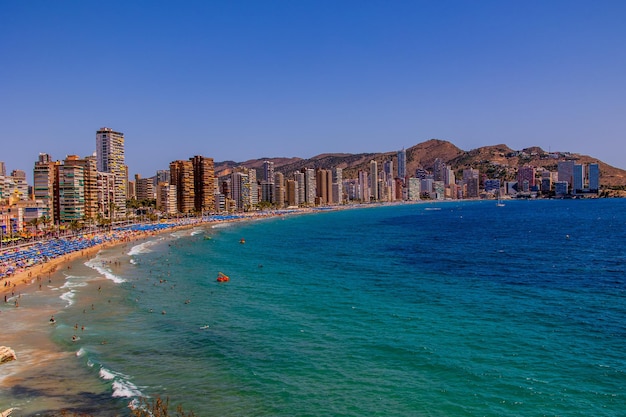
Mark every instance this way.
x=247 y=80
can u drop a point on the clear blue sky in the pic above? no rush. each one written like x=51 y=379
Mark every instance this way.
x=236 y=80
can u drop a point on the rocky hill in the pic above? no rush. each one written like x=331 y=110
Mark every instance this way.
x=497 y=161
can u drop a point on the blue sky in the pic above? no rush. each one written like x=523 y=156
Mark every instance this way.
x=236 y=80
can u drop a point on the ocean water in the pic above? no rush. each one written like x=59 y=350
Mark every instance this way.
x=432 y=309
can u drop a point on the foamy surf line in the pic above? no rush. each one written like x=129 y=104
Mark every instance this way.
x=142 y=247
x=122 y=387
x=71 y=282
x=100 y=266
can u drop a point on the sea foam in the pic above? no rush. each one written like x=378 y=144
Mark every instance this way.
x=122 y=387
x=99 y=266
x=142 y=248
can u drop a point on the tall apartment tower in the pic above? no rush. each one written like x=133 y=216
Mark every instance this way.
x=363 y=187
x=110 y=158
x=299 y=178
x=374 y=180
x=90 y=183
x=203 y=183
x=471 y=181
x=309 y=186
x=291 y=193
x=525 y=178
x=240 y=189
x=566 y=172
x=402 y=164
x=71 y=195
x=279 y=189
x=267 y=183
x=579 y=178
x=44 y=180
x=166 y=198
x=594 y=178
x=324 y=186
x=337 y=185
x=181 y=175
x=439 y=170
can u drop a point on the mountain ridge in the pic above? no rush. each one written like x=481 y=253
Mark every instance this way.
x=496 y=161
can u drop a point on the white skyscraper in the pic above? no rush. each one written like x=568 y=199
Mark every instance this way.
x=110 y=159
x=374 y=180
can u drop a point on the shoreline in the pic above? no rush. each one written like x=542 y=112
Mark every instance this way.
x=30 y=274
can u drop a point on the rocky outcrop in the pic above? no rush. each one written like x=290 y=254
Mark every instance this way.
x=6 y=354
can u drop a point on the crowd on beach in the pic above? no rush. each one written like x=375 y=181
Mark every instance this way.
x=21 y=258
x=18 y=259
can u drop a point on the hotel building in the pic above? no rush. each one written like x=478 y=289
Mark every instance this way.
x=110 y=159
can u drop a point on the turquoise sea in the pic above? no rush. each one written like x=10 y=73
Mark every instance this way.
x=430 y=309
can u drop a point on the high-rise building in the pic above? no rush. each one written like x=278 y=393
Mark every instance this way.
x=253 y=199
x=439 y=169
x=413 y=189
x=240 y=189
x=292 y=193
x=579 y=178
x=44 y=181
x=110 y=158
x=182 y=176
x=279 y=189
x=162 y=175
x=309 y=186
x=166 y=198
x=204 y=183
x=90 y=183
x=299 y=178
x=526 y=178
x=373 y=180
x=471 y=182
x=144 y=188
x=337 y=185
x=402 y=164
x=268 y=171
x=71 y=197
x=450 y=177
x=546 y=182
x=324 y=186
x=566 y=173
x=16 y=185
x=594 y=178
x=106 y=194
x=364 y=187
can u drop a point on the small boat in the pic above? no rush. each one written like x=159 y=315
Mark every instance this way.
x=222 y=277
x=242 y=241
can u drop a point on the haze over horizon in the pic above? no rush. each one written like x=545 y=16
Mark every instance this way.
x=243 y=80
